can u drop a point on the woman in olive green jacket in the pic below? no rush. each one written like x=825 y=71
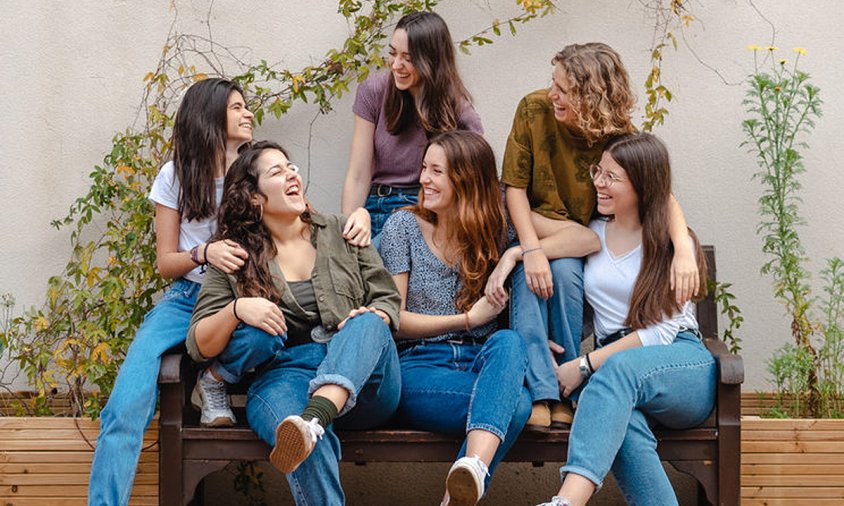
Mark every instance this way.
x=313 y=313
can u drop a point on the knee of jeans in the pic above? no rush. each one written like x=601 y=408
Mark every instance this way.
x=509 y=342
x=617 y=367
x=376 y=328
x=567 y=271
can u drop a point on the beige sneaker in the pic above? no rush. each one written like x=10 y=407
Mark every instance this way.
x=294 y=441
x=465 y=481
x=540 y=417
x=562 y=415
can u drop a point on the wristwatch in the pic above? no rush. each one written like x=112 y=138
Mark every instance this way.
x=583 y=367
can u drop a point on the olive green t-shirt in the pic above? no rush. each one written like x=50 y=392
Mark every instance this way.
x=552 y=164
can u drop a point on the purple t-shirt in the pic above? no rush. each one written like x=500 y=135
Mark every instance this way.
x=398 y=158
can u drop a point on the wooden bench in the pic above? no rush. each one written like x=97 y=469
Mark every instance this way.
x=188 y=453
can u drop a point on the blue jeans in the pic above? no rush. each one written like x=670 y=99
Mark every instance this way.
x=381 y=208
x=456 y=388
x=248 y=348
x=673 y=385
x=560 y=318
x=131 y=404
x=361 y=358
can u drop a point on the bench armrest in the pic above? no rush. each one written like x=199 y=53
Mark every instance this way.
x=171 y=368
x=730 y=367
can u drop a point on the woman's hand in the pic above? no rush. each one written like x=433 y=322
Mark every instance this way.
x=495 y=291
x=361 y=310
x=225 y=255
x=260 y=313
x=358 y=229
x=483 y=311
x=568 y=375
x=538 y=273
x=685 y=279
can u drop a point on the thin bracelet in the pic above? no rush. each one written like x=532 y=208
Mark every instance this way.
x=234 y=309
x=193 y=255
x=466 y=318
x=205 y=254
x=526 y=251
x=589 y=363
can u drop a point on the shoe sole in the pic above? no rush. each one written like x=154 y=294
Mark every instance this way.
x=538 y=428
x=462 y=488
x=220 y=421
x=290 y=449
x=560 y=425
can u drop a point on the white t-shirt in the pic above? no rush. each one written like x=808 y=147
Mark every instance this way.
x=608 y=283
x=165 y=191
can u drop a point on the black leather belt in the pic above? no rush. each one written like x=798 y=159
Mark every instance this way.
x=615 y=336
x=383 y=190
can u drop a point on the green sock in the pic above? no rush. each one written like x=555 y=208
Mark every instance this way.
x=320 y=408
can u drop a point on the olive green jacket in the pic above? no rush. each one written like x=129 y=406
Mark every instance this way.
x=344 y=277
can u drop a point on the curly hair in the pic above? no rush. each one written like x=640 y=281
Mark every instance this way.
x=239 y=220
x=599 y=90
x=478 y=220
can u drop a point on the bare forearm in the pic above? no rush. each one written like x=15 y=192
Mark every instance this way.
x=677 y=227
x=519 y=207
x=419 y=326
x=572 y=240
x=214 y=332
x=175 y=264
x=599 y=356
x=355 y=190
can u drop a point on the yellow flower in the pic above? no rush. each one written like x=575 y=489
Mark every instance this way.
x=772 y=48
x=800 y=50
x=754 y=47
x=783 y=61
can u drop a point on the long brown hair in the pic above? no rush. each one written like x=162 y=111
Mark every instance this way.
x=239 y=219
x=199 y=144
x=477 y=223
x=645 y=159
x=441 y=94
x=599 y=90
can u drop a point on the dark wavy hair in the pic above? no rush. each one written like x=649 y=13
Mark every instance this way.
x=199 y=144
x=645 y=159
x=441 y=93
x=478 y=217
x=239 y=219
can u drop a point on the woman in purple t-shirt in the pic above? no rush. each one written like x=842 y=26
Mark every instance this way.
x=396 y=113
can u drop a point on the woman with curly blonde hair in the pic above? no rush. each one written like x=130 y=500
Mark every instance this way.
x=557 y=134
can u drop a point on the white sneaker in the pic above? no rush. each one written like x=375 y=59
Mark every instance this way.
x=210 y=397
x=556 y=501
x=465 y=481
x=294 y=441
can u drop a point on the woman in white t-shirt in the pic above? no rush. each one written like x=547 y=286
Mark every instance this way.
x=211 y=124
x=649 y=365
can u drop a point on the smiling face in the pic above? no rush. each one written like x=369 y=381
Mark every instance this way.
x=280 y=182
x=616 y=195
x=238 y=120
x=437 y=190
x=560 y=98
x=405 y=76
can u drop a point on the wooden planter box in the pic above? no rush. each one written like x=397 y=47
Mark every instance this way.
x=47 y=461
x=792 y=461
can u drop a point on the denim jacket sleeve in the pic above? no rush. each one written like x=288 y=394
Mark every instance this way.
x=218 y=289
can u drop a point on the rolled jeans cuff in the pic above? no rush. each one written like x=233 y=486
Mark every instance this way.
x=226 y=376
x=486 y=427
x=341 y=381
x=589 y=475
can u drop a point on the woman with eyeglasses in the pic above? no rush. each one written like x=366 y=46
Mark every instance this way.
x=396 y=112
x=310 y=312
x=649 y=365
x=557 y=134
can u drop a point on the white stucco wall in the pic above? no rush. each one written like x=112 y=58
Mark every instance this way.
x=72 y=71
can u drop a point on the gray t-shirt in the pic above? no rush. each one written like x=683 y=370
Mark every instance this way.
x=432 y=286
x=398 y=158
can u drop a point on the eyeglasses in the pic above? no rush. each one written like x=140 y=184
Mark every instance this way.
x=596 y=172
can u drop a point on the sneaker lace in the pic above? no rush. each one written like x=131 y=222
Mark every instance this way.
x=315 y=429
x=480 y=463
x=215 y=394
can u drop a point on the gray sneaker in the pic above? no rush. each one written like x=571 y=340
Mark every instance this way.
x=211 y=399
x=465 y=481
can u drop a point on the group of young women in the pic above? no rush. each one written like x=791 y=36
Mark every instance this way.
x=342 y=336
